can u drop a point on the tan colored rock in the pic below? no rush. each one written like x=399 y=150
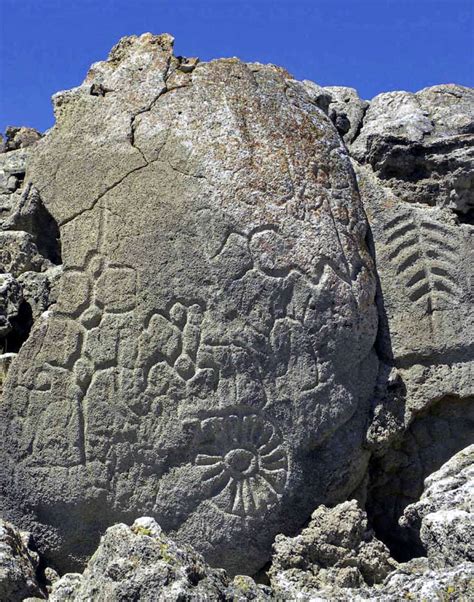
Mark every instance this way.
x=210 y=360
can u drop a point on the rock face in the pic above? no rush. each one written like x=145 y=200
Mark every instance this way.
x=421 y=145
x=210 y=360
x=413 y=158
x=18 y=564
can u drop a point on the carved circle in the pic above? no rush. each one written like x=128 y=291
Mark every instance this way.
x=241 y=463
x=244 y=463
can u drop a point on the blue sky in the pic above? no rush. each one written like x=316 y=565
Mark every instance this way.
x=372 y=45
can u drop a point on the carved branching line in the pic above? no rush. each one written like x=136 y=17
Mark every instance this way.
x=423 y=257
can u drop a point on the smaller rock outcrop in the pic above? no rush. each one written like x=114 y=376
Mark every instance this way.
x=141 y=563
x=19 y=137
x=336 y=550
x=18 y=565
x=421 y=145
x=29 y=246
x=444 y=515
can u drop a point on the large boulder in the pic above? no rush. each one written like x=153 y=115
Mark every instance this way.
x=210 y=360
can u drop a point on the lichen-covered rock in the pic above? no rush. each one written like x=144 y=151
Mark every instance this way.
x=18 y=564
x=416 y=580
x=336 y=550
x=210 y=359
x=444 y=515
x=141 y=563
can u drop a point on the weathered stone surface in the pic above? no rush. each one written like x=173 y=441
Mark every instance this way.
x=415 y=580
x=12 y=174
x=141 y=563
x=346 y=110
x=5 y=362
x=337 y=558
x=336 y=550
x=210 y=358
x=40 y=289
x=18 y=564
x=19 y=253
x=444 y=515
x=422 y=145
x=414 y=163
x=10 y=299
x=29 y=244
x=19 y=137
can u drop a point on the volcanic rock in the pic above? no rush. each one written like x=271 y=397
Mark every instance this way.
x=209 y=361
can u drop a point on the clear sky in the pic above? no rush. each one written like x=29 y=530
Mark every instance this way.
x=372 y=45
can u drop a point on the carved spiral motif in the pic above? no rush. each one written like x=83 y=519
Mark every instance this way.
x=244 y=463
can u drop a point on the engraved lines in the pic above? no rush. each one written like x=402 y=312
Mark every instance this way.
x=424 y=258
x=89 y=294
x=244 y=463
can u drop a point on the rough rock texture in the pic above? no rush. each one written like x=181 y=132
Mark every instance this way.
x=415 y=580
x=19 y=137
x=10 y=299
x=421 y=145
x=141 y=563
x=346 y=110
x=337 y=558
x=210 y=360
x=444 y=515
x=18 y=564
x=414 y=163
x=336 y=550
x=29 y=244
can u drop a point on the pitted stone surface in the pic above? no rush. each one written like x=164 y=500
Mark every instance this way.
x=210 y=360
x=414 y=163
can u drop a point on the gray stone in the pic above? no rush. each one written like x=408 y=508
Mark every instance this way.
x=31 y=216
x=141 y=563
x=319 y=95
x=19 y=137
x=18 y=565
x=346 y=110
x=12 y=173
x=10 y=299
x=444 y=515
x=5 y=362
x=40 y=289
x=336 y=551
x=413 y=152
x=422 y=145
x=210 y=360
x=19 y=253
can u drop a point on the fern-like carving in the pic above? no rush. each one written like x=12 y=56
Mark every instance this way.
x=425 y=255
